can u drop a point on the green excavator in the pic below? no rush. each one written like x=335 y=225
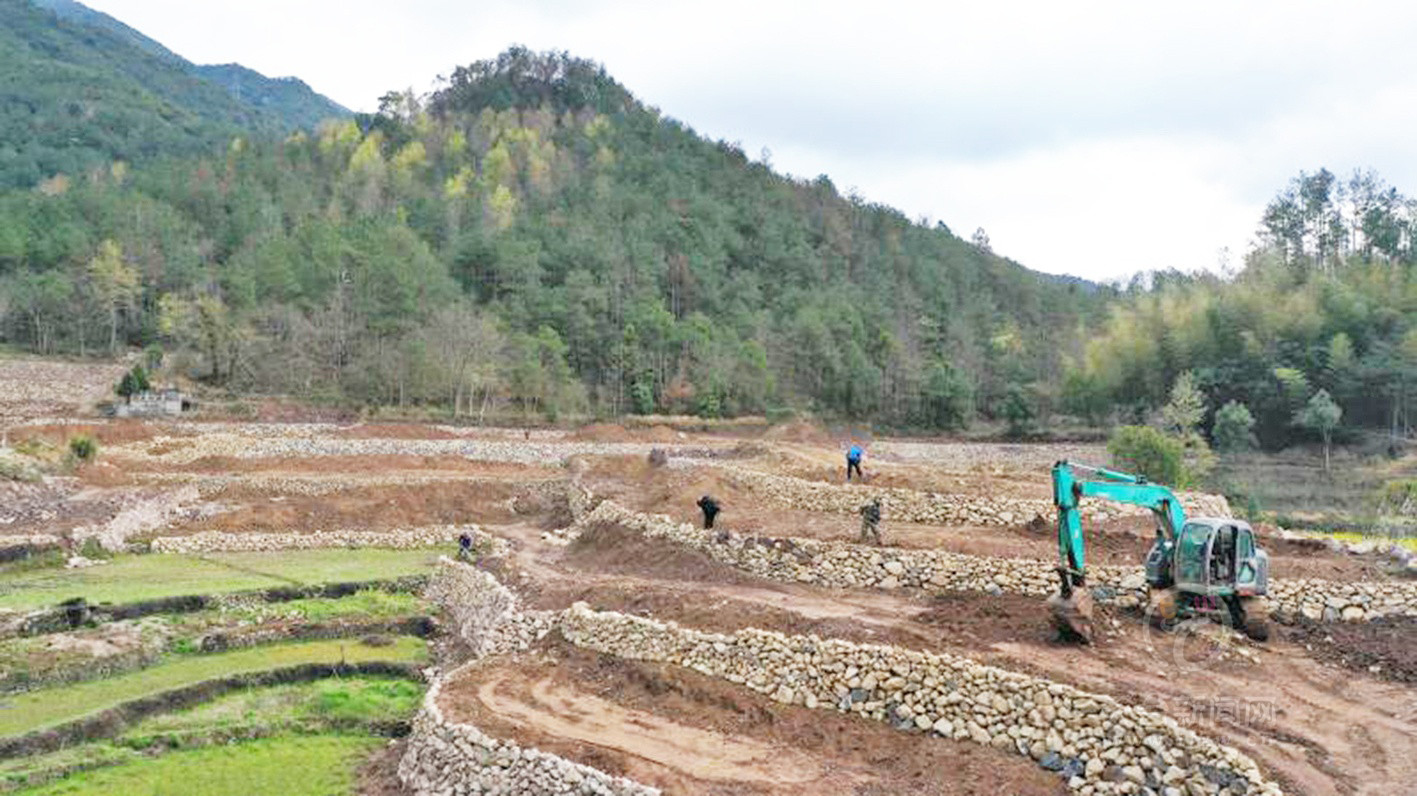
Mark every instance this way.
x=1197 y=566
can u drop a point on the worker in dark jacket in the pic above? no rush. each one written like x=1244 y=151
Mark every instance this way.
x=710 y=508
x=871 y=521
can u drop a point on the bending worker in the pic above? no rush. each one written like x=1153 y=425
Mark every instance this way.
x=853 y=462
x=710 y=508
x=871 y=521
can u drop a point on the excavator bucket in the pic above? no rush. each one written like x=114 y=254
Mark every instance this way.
x=1073 y=614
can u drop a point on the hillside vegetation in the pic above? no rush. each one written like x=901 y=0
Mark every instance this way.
x=80 y=91
x=531 y=235
x=1327 y=303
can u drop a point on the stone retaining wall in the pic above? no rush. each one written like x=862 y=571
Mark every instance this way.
x=487 y=615
x=910 y=505
x=1099 y=744
x=313 y=484
x=31 y=540
x=254 y=443
x=446 y=757
x=223 y=542
x=845 y=565
x=1108 y=747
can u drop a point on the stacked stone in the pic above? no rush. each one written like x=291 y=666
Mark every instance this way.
x=845 y=565
x=312 y=484
x=910 y=505
x=1104 y=746
x=487 y=614
x=403 y=539
x=1329 y=601
x=256 y=443
x=445 y=758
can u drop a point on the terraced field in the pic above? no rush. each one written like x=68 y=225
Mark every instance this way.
x=597 y=641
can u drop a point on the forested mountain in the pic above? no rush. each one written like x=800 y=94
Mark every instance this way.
x=1327 y=302
x=532 y=234
x=80 y=90
x=287 y=97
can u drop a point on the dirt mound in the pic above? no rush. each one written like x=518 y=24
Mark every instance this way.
x=602 y=432
x=607 y=547
x=660 y=434
x=798 y=431
x=976 y=619
x=377 y=508
x=394 y=431
x=1383 y=647
x=117 y=432
x=716 y=613
x=103 y=474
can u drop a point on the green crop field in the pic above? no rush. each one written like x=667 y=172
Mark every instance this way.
x=146 y=577
x=320 y=765
x=345 y=706
x=323 y=704
x=33 y=710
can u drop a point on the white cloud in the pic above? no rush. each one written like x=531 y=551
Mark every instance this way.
x=1092 y=137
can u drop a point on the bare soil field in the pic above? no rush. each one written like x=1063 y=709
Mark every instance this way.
x=1324 y=708
x=691 y=734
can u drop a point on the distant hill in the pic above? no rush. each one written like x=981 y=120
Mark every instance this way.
x=288 y=97
x=79 y=90
x=83 y=15
x=533 y=235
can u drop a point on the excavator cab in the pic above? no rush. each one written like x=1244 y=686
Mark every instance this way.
x=1214 y=566
x=1217 y=557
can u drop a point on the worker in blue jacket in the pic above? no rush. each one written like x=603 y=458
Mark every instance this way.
x=853 y=462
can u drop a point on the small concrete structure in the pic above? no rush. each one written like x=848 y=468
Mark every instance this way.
x=159 y=403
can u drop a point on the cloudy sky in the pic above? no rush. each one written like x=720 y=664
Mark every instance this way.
x=1093 y=138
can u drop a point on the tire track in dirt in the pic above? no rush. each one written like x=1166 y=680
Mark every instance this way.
x=565 y=711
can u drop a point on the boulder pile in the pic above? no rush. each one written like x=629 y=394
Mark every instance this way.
x=910 y=505
x=142 y=515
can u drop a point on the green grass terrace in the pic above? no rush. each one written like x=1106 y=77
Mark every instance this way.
x=132 y=578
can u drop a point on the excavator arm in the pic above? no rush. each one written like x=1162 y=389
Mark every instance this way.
x=1068 y=491
x=1072 y=605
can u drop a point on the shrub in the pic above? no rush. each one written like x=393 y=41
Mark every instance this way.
x=93 y=548
x=948 y=397
x=1017 y=411
x=1148 y=452
x=84 y=447
x=710 y=405
x=642 y=397
x=14 y=469
x=1234 y=428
